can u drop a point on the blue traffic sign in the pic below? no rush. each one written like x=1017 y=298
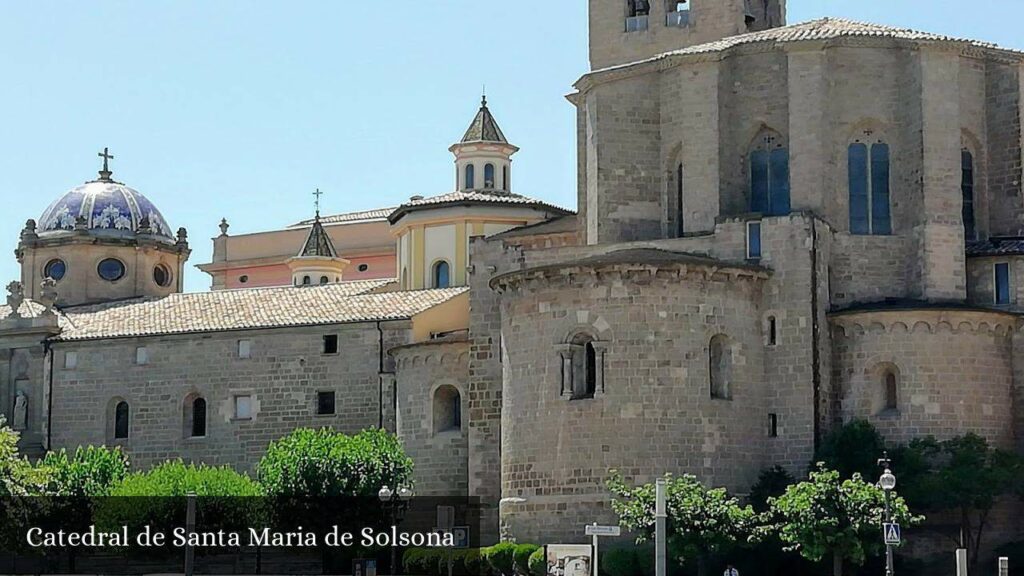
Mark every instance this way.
x=891 y=531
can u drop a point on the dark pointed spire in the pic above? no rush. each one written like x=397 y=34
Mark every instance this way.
x=318 y=243
x=484 y=127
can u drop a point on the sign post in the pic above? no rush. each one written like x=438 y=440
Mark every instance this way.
x=660 y=517
x=597 y=532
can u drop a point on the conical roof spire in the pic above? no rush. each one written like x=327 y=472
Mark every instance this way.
x=318 y=243
x=484 y=127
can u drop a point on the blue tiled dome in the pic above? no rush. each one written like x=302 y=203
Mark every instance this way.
x=110 y=209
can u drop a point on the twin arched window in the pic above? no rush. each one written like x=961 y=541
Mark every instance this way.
x=769 y=175
x=441 y=274
x=869 y=188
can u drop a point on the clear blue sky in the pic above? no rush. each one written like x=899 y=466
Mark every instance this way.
x=241 y=108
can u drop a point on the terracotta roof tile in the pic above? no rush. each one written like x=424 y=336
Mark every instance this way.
x=247 y=309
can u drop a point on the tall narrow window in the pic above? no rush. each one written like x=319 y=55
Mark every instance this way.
x=441 y=275
x=121 y=420
x=773 y=331
x=754 y=240
x=773 y=425
x=1002 y=283
x=891 y=399
x=967 y=189
x=869 y=189
x=504 y=179
x=679 y=201
x=470 y=177
x=719 y=367
x=489 y=176
x=590 y=375
x=198 y=418
x=769 y=176
x=585 y=368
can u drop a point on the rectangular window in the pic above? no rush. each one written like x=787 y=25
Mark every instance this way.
x=243 y=407
x=325 y=403
x=773 y=331
x=754 y=240
x=773 y=425
x=331 y=344
x=636 y=23
x=141 y=355
x=70 y=360
x=245 y=348
x=1002 y=282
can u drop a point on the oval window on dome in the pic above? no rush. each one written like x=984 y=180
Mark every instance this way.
x=55 y=269
x=162 y=275
x=111 y=269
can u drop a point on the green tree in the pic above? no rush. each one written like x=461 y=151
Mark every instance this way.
x=701 y=521
x=324 y=463
x=963 y=474
x=89 y=472
x=828 y=516
x=17 y=476
x=772 y=482
x=851 y=449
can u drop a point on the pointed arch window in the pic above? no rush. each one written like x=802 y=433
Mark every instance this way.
x=489 y=176
x=769 y=175
x=441 y=274
x=967 y=190
x=869 y=189
x=470 y=177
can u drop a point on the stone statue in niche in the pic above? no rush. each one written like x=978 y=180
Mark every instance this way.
x=20 y=420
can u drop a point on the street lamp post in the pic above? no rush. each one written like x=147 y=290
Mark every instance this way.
x=395 y=502
x=887 y=482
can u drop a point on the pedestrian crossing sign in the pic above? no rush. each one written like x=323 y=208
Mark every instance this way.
x=891 y=532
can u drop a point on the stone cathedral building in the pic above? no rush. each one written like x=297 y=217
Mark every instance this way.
x=779 y=228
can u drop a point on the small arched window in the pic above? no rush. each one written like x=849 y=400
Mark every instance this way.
x=447 y=409
x=121 y=420
x=324 y=280
x=769 y=175
x=196 y=417
x=967 y=190
x=585 y=366
x=720 y=367
x=869 y=188
x=470 y=177
x=489 y=176
x=441 y=274
x=890 y=382
x=306 y=281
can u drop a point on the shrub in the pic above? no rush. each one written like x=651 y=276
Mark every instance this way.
x=225 y=499
x=92 y=471
x=473 y=562
x=538 y=563
x=772 y=483
x=521 y=558
x=324 y=463
x=500 y=557
x=636 y=561
x=852 y=448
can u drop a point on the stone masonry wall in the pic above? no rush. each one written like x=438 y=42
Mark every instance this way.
x=440 y=455
x=283 y=375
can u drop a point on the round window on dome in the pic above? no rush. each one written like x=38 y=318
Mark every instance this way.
x=111 y=269
x=55 y=269
x=162 y=275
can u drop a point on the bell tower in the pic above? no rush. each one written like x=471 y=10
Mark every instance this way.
x=624 y=31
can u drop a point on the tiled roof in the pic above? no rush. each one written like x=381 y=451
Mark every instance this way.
x=484 y=127
x=247 y=310
x=824 y=29
x=349 y=217
x=318 y=243
x=474 y=197
x=996 y=247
